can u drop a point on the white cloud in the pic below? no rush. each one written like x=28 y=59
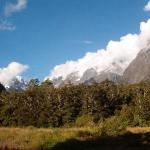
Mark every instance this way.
x=147 y=7
x=18 y=6
x=120 y=52
x=11 y=71
x=6 y=26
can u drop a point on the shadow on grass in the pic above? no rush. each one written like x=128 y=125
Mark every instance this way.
x=125 y=142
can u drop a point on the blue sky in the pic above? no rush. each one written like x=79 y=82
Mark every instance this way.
x=50 y=32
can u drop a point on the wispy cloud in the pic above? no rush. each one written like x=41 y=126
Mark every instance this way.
x=87 y=42
x=147 y=6
x=7 y=26
x=9 y=9
x=12 y=8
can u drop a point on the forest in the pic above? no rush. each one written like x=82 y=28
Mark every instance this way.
x=42 y=105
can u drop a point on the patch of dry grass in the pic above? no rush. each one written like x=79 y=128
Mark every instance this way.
x=23 y=138
x=138 y=130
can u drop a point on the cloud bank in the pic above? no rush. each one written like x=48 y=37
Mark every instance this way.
x=11 y=71
x=147 y=7
x=119 y=53
x=12 y=8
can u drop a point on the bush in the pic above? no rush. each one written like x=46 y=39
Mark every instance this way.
x=117 y=124
x=84 y=120
x=113 y=126
x=127 y=114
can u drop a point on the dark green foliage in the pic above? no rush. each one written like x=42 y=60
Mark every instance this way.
x=42 y=105
x=2 y=88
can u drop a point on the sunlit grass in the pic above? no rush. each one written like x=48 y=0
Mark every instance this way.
x=33 y=138
x=138 y=130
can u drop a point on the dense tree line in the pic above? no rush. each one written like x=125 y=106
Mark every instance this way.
x=42 y=105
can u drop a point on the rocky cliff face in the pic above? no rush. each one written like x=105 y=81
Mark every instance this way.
x=108 y=76
x=90 y=76
x=139 y=69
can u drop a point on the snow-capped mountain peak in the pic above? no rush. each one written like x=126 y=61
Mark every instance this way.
x=17 y=83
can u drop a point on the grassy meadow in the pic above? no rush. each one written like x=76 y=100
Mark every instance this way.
x=85 y=138
x=33 y=138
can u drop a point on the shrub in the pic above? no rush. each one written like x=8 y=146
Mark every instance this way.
x=84 y=120
x=117 y=124
x=113 y=126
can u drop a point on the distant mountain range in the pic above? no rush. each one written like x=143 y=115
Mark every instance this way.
x=138 y=70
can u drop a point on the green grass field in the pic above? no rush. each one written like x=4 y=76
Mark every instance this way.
x=73 y=139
